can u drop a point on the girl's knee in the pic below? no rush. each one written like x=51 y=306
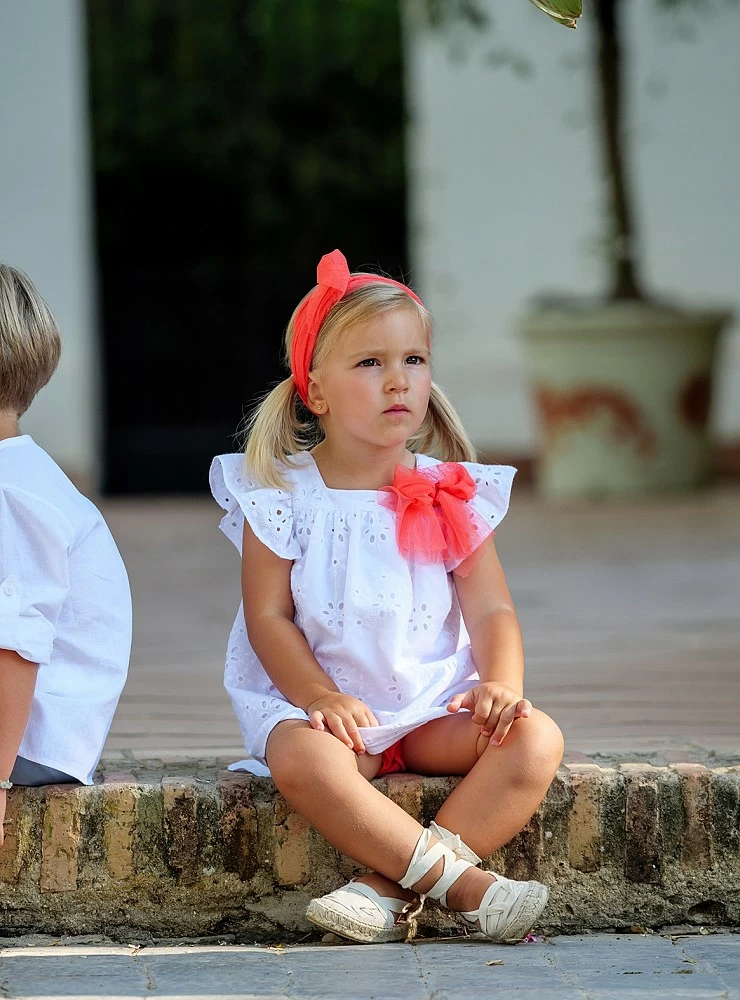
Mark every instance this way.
x=540 y=741
x=536 y=744
x=287 y=764
x=548 y=732
x=300 y=758
x=284 y=771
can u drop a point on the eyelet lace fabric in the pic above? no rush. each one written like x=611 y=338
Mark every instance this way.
x=385 y=630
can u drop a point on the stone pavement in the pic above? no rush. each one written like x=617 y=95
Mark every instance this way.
x=598 y=967
x=630 y=613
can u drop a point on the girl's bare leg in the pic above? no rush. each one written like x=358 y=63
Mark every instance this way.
x=324 y=781
x=502 y=787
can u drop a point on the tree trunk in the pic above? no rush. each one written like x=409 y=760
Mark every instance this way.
x=611 y=108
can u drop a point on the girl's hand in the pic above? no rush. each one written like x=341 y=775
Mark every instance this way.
x=341 y=714
x=494 y=708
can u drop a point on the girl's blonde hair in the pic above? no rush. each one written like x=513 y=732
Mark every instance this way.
x=30 y=342
x=281 y=426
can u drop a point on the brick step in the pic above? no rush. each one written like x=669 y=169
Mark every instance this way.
x=202 y=851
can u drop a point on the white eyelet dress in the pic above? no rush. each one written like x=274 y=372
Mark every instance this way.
x=386 y=630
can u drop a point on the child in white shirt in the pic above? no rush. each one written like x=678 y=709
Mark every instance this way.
x=377 y=632
x=65 y=605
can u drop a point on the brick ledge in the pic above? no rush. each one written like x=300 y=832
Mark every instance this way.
x=211 y=852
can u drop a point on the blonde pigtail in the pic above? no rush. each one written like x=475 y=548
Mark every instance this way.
x=442 y=433
x=275 y=431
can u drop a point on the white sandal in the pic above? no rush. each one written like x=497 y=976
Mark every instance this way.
x=506 y=913
x=358 y=912
x=508 y=908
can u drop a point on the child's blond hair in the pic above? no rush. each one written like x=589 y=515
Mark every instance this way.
x=281 y=425
x=30 y=342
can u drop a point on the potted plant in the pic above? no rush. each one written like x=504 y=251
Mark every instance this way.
x=622 y=386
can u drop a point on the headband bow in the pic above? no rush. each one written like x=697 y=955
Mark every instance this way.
x=333 y=282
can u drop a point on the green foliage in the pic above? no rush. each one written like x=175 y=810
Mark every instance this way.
x=442 y=13
x=234 y=142
x=263 y=94
x=565 y=12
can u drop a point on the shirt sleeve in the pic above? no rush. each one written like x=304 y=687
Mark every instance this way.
x=35 y=540
x=489 y=505
x=268 y=511
x=493 y=491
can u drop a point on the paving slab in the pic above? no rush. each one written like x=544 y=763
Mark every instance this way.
x=587 y=967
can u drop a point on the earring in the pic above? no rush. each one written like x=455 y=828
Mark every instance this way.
x=319 y=407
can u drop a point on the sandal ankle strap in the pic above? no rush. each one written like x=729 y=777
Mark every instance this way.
x=455 y=843
x=422 y=862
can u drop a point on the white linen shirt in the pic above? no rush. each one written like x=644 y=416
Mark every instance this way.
x=385 y=630
x=64 y=604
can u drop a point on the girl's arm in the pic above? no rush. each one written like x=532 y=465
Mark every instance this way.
x=17 y=684
x=496 y=643
x=491 y=620
x=282 y=648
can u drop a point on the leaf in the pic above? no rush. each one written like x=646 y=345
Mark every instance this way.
x=565 y=12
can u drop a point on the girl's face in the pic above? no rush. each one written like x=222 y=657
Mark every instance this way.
x=373 y=387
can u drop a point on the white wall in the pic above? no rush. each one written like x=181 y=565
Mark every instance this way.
x=45 y=208
x=504 y=196
x=505 y=191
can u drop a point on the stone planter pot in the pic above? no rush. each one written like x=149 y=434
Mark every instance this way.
x=623 y=394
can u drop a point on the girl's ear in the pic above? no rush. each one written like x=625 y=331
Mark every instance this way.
x=316 y=401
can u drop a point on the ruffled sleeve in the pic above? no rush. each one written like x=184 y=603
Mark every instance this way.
x=490 y=504
x=268 y=511
x=493 y=490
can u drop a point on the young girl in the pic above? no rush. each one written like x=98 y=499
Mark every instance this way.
x=377 y=631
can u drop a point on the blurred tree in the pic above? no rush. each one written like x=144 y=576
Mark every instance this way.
x=608 y=84
x=633 y=420
x=234 y=142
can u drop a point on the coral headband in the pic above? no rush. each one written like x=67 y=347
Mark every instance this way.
x=334 y=282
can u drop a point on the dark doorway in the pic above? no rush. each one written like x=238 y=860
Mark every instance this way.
x=234 y=142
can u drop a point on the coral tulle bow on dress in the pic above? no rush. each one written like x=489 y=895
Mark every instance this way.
x=434 y=520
